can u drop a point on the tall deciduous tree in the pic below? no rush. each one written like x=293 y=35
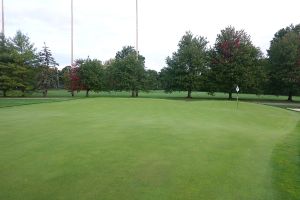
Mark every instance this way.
x=234 y=61
x=284 y=57
x=91 y=75
x=127 y=72
x=47 y=76
x=152 y=80
x=186 y=67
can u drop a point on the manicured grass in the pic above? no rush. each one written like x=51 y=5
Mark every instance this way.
x=122 y=148
x=6 y=102
x=286 y=163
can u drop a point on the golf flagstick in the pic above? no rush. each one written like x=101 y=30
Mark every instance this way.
x=237 y=96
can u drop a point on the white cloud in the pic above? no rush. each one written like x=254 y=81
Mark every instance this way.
x=103 y=27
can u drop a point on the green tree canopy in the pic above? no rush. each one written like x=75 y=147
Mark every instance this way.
x=47 y=76
x=187 y=65
x=25 y=57
x=234 y=61
x=26 y=52
x=8 y=79
x=152 y=80
x=127 y=72
x=91 y=75
x=284 y=57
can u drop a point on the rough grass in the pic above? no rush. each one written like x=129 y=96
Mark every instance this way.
x=112 y=148
x=158 y=94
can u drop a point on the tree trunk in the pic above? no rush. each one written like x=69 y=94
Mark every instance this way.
x=189 y=94
x=72 y=93
x=23 y=92
x=87 y=93
x=132 y=93
x=137 y=93
x=290 y=96
x=45 y=93
x=57 y=77
x=4 y=93
x=230 y=96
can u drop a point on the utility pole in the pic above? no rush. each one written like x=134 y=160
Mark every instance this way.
x=137 y=29
x=72 y=35
x=2 y=17
x=72 y=48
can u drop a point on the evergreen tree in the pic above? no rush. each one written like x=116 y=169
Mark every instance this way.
x=26 y=59
x=47 y=76
x=9 y=69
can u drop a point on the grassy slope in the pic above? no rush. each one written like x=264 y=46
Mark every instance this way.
x=286 y=163
x=140 y=149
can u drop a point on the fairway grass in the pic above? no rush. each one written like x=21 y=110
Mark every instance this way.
x=148 y=149
x=10 y=102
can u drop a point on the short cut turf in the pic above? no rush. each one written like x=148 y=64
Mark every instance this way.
x=113 y=149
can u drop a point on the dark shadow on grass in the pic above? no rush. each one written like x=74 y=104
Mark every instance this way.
x=295 y=103
x=23 y=102
x=177 y=96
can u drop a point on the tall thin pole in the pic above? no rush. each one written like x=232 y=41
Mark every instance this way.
x=237 y=100
x=137 y=29
x=72 y=53
x=2 y=17
x=72 y=35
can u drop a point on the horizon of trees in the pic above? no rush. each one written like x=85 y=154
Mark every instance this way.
x=232 y=61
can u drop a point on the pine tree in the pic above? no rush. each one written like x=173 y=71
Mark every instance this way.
x=47 y=75
x=8 y=68
x=25 y=57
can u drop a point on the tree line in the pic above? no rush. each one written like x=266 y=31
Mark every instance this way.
x=24 y=69
x=232 y=61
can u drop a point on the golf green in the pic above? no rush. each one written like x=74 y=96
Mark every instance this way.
x=148 y=149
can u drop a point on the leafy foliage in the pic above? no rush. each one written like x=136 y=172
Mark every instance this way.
x=186 y=67
x=152 y=81
x=25 y=57
x=9 y=70
x=284 y=57
x=234 y=61
x=91 y=75
x=127 y=72
x=47 y=75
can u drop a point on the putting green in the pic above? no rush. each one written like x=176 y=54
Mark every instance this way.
x=113 y=149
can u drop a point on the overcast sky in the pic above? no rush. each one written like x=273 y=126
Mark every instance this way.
x=103 y=27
